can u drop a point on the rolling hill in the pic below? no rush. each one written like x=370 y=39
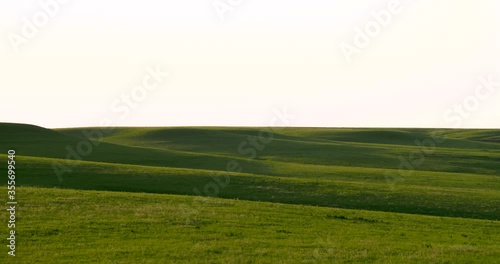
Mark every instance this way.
x=429 y=178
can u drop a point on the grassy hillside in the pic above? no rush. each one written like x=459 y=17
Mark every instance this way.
x=469 y=197
x=112 y=227
x=377 y=172
x=312 y=166
x=369 y=148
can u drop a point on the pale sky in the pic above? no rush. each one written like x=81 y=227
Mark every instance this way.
x=263 y=55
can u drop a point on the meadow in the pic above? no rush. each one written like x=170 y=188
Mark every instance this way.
x=254 y=195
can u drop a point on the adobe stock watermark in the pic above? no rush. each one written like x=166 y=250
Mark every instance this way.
x=485 y=89
x=223 y=7
x=128 y=101
x=48 y=9
x=325 y=251
x=373 y=28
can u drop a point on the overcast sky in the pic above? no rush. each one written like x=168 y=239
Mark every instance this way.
x=418 y=69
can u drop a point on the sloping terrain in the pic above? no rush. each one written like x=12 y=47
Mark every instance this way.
x=324 y=167
x=68 y=226
x=384 y=172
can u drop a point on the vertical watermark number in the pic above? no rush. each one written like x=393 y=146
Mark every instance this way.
x=11 y=202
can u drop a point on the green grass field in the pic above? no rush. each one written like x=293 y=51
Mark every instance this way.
x=245 y=195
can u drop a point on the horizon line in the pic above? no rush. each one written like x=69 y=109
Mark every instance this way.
x=249 y=126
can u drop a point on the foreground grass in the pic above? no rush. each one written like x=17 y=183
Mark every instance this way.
x=66 y=226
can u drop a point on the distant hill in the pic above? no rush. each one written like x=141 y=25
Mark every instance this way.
x=362 y=168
